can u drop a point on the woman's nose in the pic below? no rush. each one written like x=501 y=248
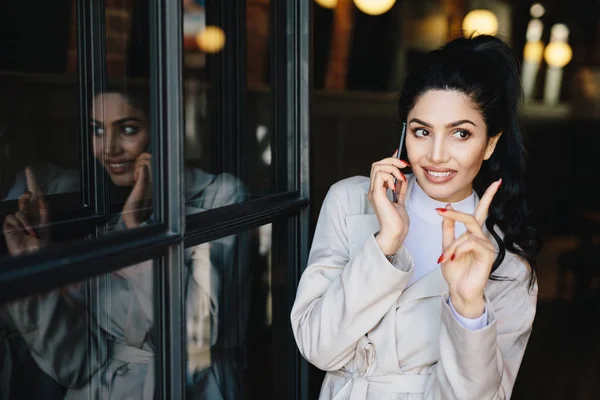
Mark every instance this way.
x=112 y=143
x=437 y=152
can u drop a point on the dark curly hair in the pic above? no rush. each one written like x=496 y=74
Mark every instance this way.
x=485 y=69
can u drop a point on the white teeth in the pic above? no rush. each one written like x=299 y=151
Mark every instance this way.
x=118 y=165
x=439 y=174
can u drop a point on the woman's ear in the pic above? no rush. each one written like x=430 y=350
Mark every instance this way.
x=491 y=146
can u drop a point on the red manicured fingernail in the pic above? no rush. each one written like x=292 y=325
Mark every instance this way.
x=440 y=259
x=452 y=257
x=441 y=209
x=407 y=164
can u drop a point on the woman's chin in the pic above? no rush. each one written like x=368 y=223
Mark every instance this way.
x=122 y=180
x=436 y=191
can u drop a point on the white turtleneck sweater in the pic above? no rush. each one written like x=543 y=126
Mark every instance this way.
x=424 y=240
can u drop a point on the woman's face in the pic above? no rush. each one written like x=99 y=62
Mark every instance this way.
x=120 y=136
x=446 y=142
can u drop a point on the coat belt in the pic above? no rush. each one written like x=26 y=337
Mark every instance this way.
x=130 y=354
x=356 y=387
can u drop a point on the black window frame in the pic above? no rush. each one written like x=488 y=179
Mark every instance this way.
x=290 y=68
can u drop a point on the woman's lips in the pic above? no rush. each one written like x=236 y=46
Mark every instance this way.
x=439 y=176
x=118 y=168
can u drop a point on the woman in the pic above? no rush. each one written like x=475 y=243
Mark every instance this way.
x=118 y=362
x=432 y=297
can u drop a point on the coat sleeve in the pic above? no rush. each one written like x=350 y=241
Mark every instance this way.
x=483 y=364
x=60 y=338
x=340 y=299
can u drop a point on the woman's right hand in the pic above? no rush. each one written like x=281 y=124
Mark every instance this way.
x=27 y=230
x=393 y=218
x=138 y=205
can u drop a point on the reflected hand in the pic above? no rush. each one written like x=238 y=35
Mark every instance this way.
x=467 y=261
x=138 y=206
x=27 y=230
x=393 y=218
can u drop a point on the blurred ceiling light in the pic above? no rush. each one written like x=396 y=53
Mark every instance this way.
x=559 y=33
x=480 y=22
x=535 y=28
x=327 y=3
x=374 y=7
x=558 y=54
x=537 y=10
x=533 y=51
x=211 y=39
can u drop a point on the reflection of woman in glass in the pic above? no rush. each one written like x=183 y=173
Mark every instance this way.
x=431 y=296
x=120 y=143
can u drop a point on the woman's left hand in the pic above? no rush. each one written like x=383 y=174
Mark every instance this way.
x=27 y=230
x=467 y=260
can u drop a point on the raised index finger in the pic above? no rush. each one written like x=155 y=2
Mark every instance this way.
x=32 y=185
x=483 y=207
x=447 y=230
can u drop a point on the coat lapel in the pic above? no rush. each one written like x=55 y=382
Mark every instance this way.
x=362 y=225
x=431 y=285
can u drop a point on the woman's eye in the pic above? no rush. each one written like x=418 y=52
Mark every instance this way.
x=420 y=132
x=462 y=134
x=129 y=130
x=97 y=130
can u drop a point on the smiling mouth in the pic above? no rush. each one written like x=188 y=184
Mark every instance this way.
x=439 y=177
x=119 y=168
x=439 y=174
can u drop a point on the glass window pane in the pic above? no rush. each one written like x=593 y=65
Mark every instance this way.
x=228 y=94
x=75 y=157
x=229 y=321
x=39 y=105
x=89 y=340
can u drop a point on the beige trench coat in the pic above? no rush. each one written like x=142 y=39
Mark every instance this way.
x=100 y=346
x=354 y=318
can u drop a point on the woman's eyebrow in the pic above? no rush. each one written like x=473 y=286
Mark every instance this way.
x=126 y=119
x=449 y=125
x=460 y=122
x=418 y=121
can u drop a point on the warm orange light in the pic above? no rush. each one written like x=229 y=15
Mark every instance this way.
x=558 y=54
x=374 y=7
x=327 y=3
x=480 y=22
x=211 y=39
x=534 y=51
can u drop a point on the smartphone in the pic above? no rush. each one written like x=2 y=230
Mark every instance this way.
x=398 y=185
